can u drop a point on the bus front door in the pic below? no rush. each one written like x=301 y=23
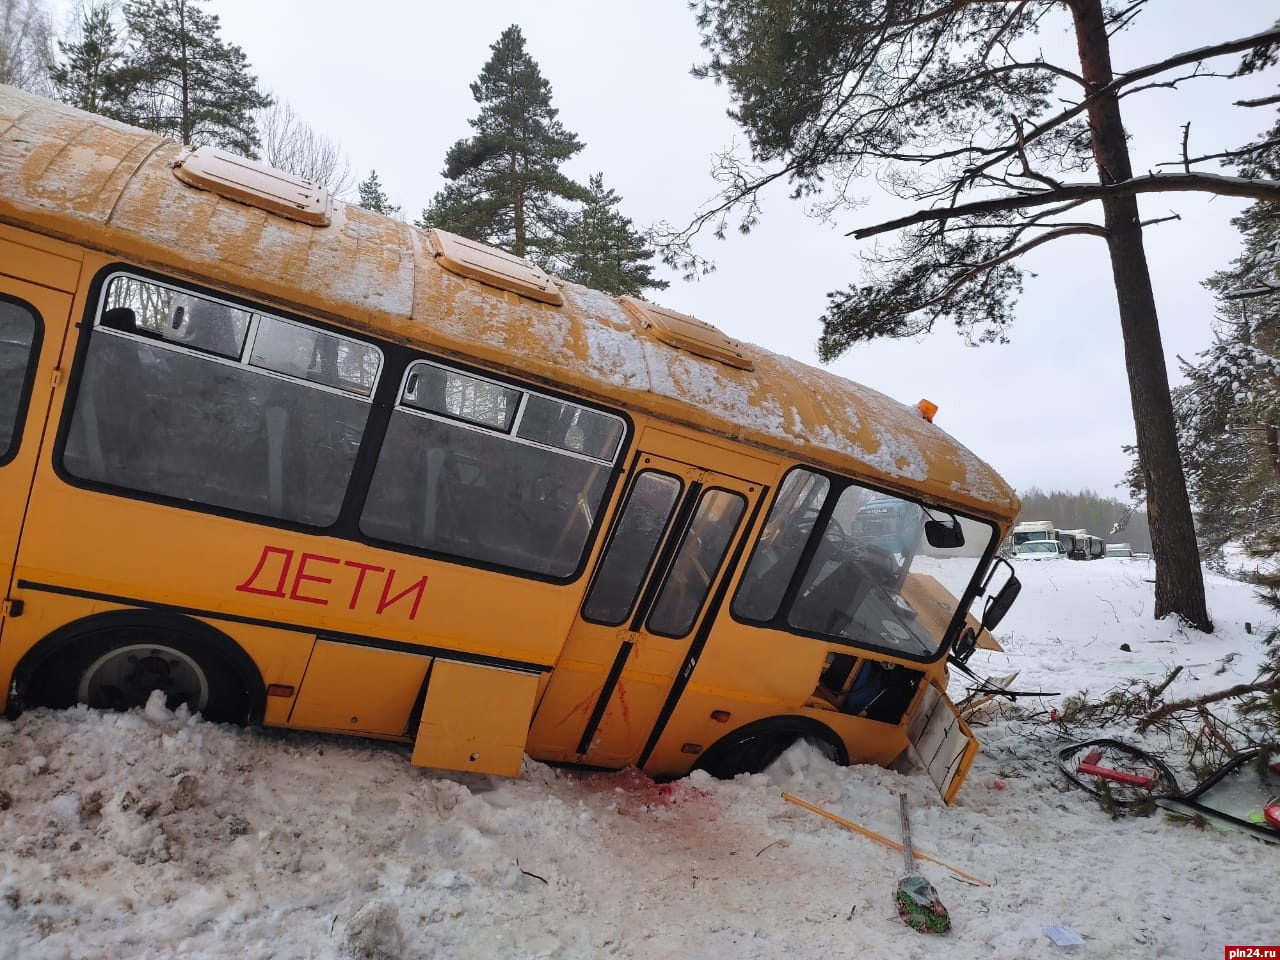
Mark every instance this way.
x=33 y=319
x=659 y=580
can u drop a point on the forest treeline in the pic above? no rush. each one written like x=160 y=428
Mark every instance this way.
x=1113 y=520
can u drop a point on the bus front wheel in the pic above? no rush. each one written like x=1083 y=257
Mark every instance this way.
x=754 y=747
x=116 y=663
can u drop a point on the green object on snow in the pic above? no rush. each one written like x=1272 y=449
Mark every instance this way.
x=920 y=907
x=918 y=902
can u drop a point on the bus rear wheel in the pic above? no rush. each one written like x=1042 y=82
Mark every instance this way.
x=117 y=663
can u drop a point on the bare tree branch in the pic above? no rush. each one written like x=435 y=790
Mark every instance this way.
x=1260 y=102
x=1141 y=73
x=1013 y=253
x=1268 y=190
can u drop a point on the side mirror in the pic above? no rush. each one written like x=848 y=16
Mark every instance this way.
x=944 y=534
x=998 y=605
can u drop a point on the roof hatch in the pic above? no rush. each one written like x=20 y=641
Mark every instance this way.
x=467 y=258
x=689 y=333
x=256 y=184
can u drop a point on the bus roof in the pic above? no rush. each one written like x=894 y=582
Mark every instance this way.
x=92 y=181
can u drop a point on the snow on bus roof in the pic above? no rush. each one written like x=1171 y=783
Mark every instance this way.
x=97 y=182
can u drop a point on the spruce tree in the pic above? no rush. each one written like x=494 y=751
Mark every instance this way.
x=373 y=197
x=89 y=73
x=504 y=185
x=185 y=81
x=603 y=250
x=1229 y=409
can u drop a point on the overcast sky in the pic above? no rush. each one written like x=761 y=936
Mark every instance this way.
x=388 y=80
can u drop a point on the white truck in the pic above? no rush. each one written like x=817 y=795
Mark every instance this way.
x=1029 y=530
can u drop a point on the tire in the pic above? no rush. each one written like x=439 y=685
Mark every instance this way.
x=754 y=747
x=114 y=662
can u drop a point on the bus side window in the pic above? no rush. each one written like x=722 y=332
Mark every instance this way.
x=780 y=545
x=458 y=475
x=166 y=405
x=17 y=335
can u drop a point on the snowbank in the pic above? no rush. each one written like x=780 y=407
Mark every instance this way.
x=156 y=835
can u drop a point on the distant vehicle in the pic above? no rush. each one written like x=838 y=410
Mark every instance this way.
x=1119 y=550
x=1078 y=547
x=1039 y=550
x=1029 y=530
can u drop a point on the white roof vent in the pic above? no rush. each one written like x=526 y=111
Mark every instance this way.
x=256 y=184
x=468 y=258
x=689 y=333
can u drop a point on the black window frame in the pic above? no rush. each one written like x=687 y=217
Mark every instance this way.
x=681 y=491
x=22 y=409
x=656 y=607
x=93 y=325
x=510 y=433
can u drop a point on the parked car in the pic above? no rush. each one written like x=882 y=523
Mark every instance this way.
x=1039 y=550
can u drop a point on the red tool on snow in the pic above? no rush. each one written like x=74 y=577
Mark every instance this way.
x=1089 y=765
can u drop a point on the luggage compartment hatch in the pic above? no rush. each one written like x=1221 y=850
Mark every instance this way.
x=475 y=718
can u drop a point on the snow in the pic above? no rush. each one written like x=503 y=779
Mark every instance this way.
x=154 y=835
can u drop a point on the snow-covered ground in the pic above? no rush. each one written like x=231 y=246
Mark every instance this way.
x=154 y=835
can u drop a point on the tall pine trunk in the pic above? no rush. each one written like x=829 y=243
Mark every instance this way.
x=1179 y=580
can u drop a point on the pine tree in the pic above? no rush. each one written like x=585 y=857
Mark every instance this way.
x=603 y=250
x=373 y=197
x=184 y=81
x=89 y=75
x=948 y=105
x=505 y=186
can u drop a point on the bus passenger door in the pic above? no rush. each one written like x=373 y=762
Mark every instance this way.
x=636 y=637
x=32 y=322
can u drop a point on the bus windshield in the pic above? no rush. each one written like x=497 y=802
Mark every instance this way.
x=840 y=561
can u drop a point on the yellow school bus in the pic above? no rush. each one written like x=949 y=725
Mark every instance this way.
x=290 y=462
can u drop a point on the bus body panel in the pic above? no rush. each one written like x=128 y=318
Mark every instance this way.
x=360 y=690
x=40 y=307
x=613 y=679
x=475 y=718
x=475 y=661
